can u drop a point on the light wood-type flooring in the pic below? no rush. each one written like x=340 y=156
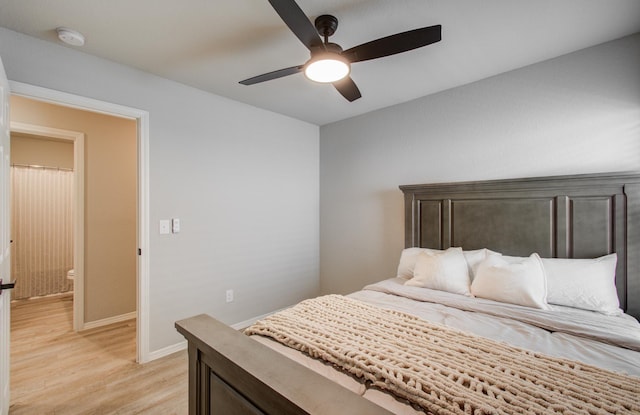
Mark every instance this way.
x=57 y=371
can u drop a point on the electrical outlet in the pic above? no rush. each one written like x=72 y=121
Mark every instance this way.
x=229 y=296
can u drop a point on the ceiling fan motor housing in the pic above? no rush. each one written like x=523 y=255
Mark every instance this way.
x=327 y=48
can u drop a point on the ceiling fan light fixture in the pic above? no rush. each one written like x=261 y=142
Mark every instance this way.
x=327 y=67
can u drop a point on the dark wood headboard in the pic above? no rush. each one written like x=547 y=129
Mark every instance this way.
x=582 y=216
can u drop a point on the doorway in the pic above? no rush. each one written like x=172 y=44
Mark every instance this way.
x=140 y=120
x=105 y=274
x=42 y=157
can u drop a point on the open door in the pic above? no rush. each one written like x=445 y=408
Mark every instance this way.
x=5 y=256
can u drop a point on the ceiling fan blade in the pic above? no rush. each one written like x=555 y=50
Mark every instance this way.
x=348 y=89
x=398 y=43
x=298 y=22
x=272 y=75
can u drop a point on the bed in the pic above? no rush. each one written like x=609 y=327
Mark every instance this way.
x=567 y=221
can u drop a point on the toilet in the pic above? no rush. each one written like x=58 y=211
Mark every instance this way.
x=71 y=274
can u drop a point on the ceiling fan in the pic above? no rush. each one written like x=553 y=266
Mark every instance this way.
x=328 y=62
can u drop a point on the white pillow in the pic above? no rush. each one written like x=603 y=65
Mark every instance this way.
x=475 y=258
x=408 y=259
x=583 y=283
x=409 y=256
x=444 y=271
x=522 y=283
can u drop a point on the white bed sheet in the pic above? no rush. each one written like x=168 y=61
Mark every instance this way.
x=567 y=333
x=547 y=332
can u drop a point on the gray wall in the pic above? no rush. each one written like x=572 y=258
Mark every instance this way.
x=579 y=113
x=249 y=210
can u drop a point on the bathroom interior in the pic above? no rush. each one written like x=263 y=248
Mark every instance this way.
x=41 y=216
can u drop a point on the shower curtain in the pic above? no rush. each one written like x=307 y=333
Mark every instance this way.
x=41 y=230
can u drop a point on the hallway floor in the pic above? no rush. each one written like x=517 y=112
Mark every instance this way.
x=57 y=371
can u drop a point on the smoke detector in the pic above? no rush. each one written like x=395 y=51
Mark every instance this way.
x=70 y=36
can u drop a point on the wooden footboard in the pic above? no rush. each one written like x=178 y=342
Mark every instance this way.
x=229 y=374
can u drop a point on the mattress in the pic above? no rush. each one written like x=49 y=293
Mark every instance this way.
x=609 y=342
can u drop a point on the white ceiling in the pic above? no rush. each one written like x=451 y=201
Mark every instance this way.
x=213 y=44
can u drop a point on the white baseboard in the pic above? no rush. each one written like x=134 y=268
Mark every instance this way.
x=110 y=320
x=244 y=324
x=166 y=351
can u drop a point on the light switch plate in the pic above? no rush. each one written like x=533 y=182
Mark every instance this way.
x=175 y=225
x=165 y=226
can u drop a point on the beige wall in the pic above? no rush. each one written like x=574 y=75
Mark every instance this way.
x=110 y=201
x=29 y=150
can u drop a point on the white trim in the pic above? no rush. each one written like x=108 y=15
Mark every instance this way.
x=244 y=324
x=5 y=256
x=142 y=117
x=143 y=306
x=78 y=201
x=109 y=320
x=166 y=351
x=53 y=96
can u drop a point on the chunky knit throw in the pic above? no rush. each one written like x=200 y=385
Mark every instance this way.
x=442 y=370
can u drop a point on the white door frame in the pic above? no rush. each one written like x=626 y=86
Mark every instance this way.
x=142 y=118
x=78 y=207
x=5 y=250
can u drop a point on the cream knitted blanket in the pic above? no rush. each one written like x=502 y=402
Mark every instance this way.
x=442 y=370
